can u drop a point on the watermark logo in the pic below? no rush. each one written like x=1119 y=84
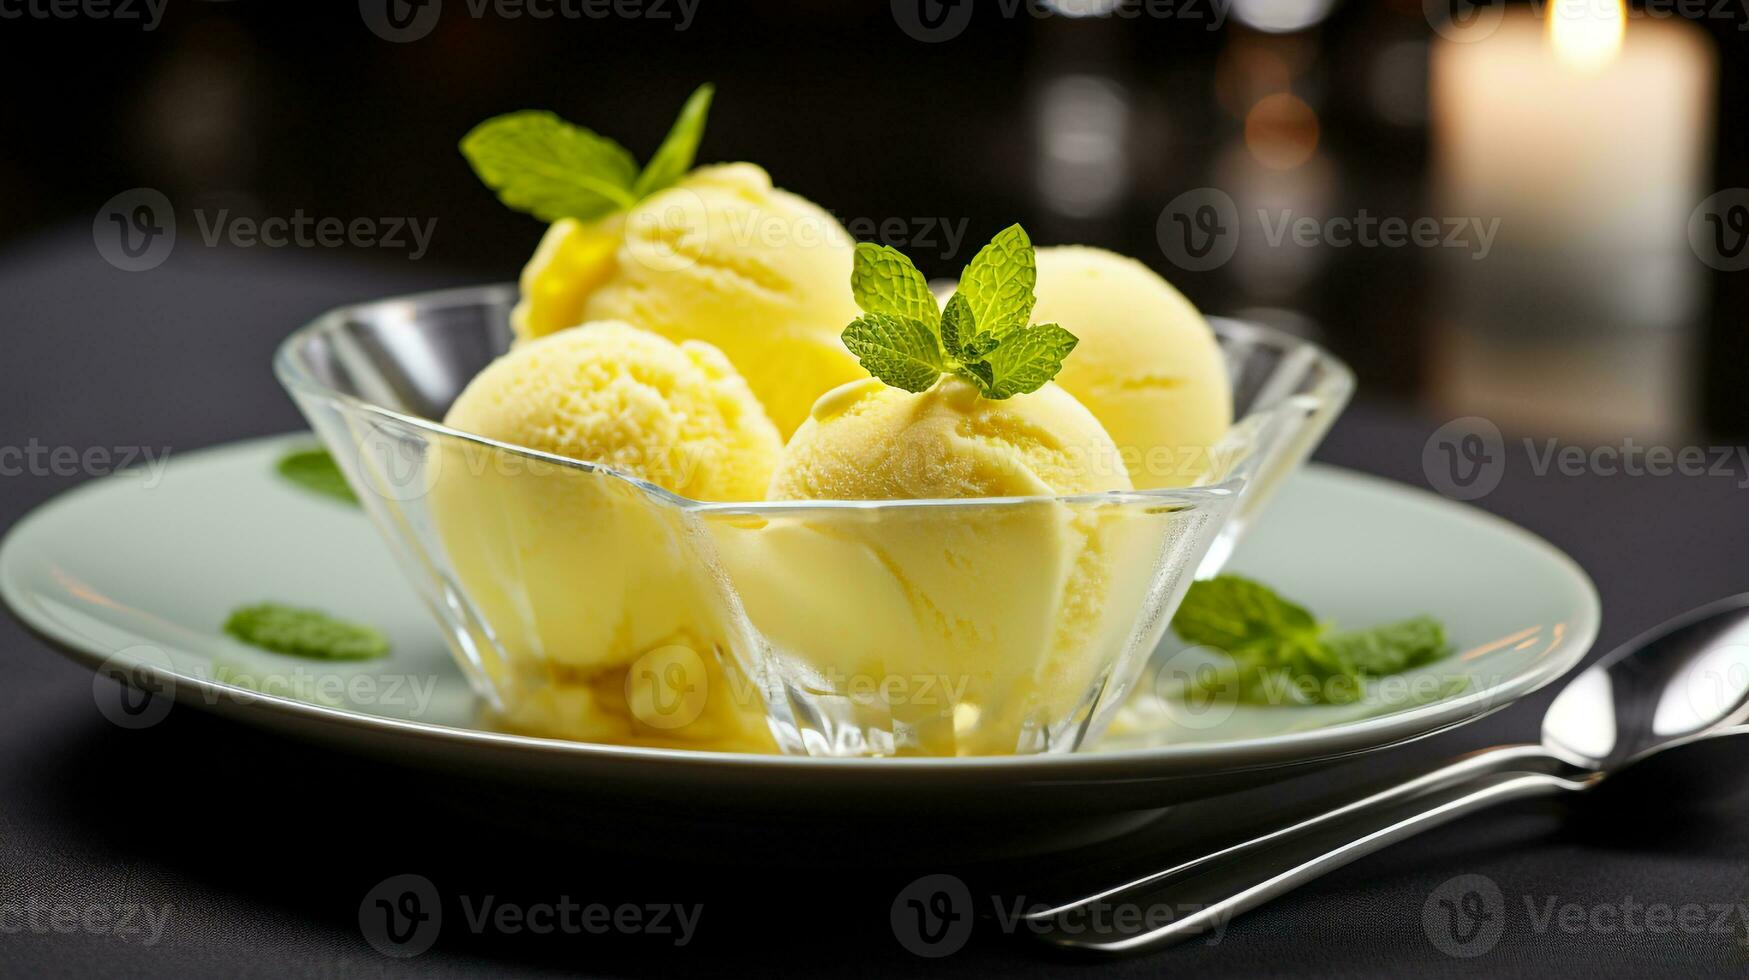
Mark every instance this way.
x=668 y=687
x=678 y=228
x=1715 y=688
x=932 y=916
x=932 y=21
x=401 y=916
x=410 y=694
x=935 y=21
x=401 y=21
x=670 y=234
x=1199 y=229
x=405 y=21
x=397 y=465
x=135 y=687
x=1464 y=21
x=1200 y=688
x=135 y=230
x=1465 y=458
x=1718 y=230
x=1194 y=690
x=1465 y=916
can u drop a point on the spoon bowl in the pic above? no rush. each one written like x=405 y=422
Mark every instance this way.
x=1676 y=681
x=1674 y=692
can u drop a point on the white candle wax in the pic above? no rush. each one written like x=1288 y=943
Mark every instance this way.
x=1611 y=157
x=1592 y=163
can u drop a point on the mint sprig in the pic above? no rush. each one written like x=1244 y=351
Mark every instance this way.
x=552 y=169
x=983 y=335
x=1279 y=650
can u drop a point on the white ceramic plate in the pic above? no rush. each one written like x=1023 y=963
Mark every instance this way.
x=143 y=576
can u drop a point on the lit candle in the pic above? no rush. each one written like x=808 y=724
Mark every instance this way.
x=1588 y=138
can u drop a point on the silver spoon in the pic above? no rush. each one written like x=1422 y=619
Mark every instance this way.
x=1683 y=683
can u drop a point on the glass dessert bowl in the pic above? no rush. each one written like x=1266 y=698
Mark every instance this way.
x=584 y=603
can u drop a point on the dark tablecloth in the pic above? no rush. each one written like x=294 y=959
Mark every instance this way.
x=253 y=852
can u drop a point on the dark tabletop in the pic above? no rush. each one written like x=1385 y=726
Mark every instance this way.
x=231 y=852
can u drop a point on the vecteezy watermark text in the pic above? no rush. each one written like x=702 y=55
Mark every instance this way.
x=301 y=230
x=1473 y=20
x=566 y=915
x=402 y=916
x=1465 y=459
x=124 y=921
x=1467 y=916
x=403 y=21
x=147 y=13
x=935 y=21
x=1201 y=230
x=34 y=458
x=914 y=236
x=136 y=230
x=136 y=687
x=683 y=214
x=933 y=917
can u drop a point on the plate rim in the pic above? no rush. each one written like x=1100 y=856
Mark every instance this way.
x=1201 y=758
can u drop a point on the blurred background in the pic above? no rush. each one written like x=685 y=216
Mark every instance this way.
x=1521 y=211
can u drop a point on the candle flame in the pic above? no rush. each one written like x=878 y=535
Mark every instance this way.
x=1587 y=34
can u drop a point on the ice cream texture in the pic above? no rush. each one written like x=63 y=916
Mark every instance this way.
x=579 y=573
x=1007 y=611
x=1147 y=365
x=867 y=441
x=677 y=415
x=722 y=256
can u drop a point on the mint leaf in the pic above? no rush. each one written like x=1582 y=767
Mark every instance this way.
x=1392 y=648
x=677 y=152
x=982 y=335
x=1281 y=655
x=315 y=471
x=981 y=345
x=900 y=351
x=998 y=283
x=545 y=166
x=304 y=633
x=1231 y=613
x=1024 y=360
x=552 y=169
x=883 y=280
x=957 y=326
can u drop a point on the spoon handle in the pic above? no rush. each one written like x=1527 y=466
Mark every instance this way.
x=1207 y=892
